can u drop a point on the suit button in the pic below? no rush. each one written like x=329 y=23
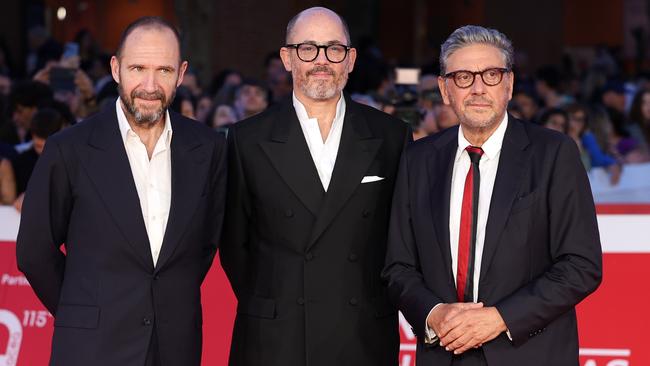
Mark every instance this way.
x=288 y=213
x=156 y=277
x=354 y=301
x=300 y=301
x=146 y=321
x=365 y=213
x=353 y=257
x=309 y=256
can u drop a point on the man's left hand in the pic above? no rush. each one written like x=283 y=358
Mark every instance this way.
x=470 y=329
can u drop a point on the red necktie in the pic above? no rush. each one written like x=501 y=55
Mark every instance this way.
x=467 y=237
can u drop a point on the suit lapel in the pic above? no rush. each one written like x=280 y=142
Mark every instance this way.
x=105 y=160
x=512 y=165
x=190 y=165
x=357 y=150
x=440 y=170
x=290 y=156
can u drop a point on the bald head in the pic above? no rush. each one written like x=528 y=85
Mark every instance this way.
x=307 y=16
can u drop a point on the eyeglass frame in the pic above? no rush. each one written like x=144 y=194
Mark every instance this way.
x=318 y=48
x=503 y=70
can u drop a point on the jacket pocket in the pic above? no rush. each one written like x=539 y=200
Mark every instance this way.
x=77 y=316
x=257 y=306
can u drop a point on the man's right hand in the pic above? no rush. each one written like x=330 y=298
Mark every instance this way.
x=445 y=312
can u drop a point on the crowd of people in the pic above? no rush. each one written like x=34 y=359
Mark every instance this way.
x=604 y=110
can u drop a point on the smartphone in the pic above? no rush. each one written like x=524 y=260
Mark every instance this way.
x=70 y=56
x=407 y=76
x=62 y=79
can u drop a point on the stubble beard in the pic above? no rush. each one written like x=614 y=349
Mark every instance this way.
x=479 y=122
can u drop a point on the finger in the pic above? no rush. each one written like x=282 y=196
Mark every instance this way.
x=460 y=342
x=472 y=305
x=471 y=343
x=447 y=325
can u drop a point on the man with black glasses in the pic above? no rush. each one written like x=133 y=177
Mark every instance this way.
x=310 y=188
x=493 y=236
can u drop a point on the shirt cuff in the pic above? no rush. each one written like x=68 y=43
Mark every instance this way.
x=430 y=336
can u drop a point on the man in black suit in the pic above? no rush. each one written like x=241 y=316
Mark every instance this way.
x=493 y=236
x=310 y=186
x=136 y=193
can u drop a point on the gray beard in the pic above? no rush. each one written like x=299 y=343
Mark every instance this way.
x=321 y=91
x=139 y=117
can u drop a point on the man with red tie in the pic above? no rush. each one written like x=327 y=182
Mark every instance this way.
x=493 y=237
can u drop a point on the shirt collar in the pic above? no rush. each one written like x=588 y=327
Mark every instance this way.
x=301 y=112
x=125 y=127
x=492 y=146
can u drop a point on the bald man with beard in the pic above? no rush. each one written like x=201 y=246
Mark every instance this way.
x=310 y=187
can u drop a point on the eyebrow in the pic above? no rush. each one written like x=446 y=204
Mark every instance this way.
x=160 y=67
x=326 y=43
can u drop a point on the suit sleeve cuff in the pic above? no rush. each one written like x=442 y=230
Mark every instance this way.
x=430 y=336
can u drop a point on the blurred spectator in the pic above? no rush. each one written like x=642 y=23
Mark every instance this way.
x=183 y=102
x=226 y=80
x=251 y=98
x=7 y=183
x=103 y=84
x=221 y=116
x=42 y=49
x=89 y=49
x=555 y=119
x=626 y=147
x=203 y=107
x=576 y=128
x=426 y=126
x=191 y=83
x=24 y=100
x=597 y=141
x=45 y=123
x=278 y=78
x=526 y=104
x=639 y=119
x=280 y=86
x=547 y=86
x=613 y=96
x=71 y=86
x=273 y=65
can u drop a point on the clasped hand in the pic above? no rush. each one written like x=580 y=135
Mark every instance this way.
x=462 y=326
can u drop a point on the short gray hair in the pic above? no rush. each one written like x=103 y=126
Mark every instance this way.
x=473 y=34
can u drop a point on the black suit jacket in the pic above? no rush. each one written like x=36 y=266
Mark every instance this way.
x=305 y=265
x=105 y=294
x=542 y=249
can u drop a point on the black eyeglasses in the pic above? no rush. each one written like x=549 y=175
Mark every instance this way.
x=464 y=79
x=308 y=52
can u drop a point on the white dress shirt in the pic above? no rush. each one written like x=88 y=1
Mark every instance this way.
x=488 y=171
x=322 y=152
x=152 y=178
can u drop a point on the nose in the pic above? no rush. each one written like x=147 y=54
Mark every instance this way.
x=321 y=59
x=478 y=87
x=149 y=82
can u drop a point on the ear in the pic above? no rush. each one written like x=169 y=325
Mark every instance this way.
x=181 y=73
x=115 y=69
x=286 y=58
x=442 y=85
x=352 y=57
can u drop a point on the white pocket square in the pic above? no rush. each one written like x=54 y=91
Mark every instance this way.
x=371 y=178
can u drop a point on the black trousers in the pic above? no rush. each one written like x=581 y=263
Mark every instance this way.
x=153 y=354
x=473 y=357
